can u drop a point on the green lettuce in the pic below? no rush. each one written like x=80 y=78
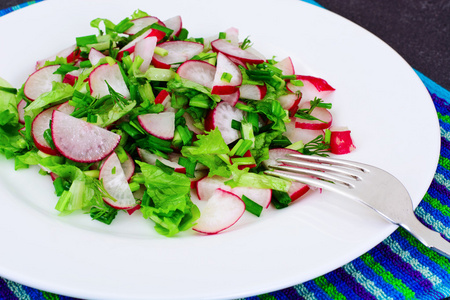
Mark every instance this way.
x=170 y=207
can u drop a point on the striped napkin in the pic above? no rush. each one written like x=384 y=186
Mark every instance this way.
x=400 y=267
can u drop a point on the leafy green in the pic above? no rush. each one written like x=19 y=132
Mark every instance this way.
x=60 y=93
x=170 y=207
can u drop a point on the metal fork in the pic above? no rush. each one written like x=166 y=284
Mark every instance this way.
x=367 y=184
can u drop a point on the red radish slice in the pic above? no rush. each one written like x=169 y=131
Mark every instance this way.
x=221 y=211
x=20 y=108
x=190 y=124
x=198 y=71
x=231 y=99
x=232 y=35
x=221 y=117
x=320 y=84
x=236 y=52
x=161 y=125
x=261 y=196
x=141 y=23
x=323 y=114
x=81 y=141
x=40 y=124
x=116 y=184
x=297 y=190
x=69 y=53
x=208 y=185
x=41 y=82
x=145 y=49
x=221 y=86
x=163 y=97
x=176 y=24
x=112 y=75
x=308 y=91
x=128 y=167
x=72 y=77
x=66 y=108
x=131 y=46
x=179 y=52
x=95 y=56
x=276 y=153
x=252 y=92
x=290 y=102
x=286 y=66
x=341 y=141
x=297 y=134
x=151 y=158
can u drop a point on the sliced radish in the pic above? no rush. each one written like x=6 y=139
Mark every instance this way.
x=116 y=184
x=320 y=84
x=176 y=24
x=141 y=23
x=161 y=125
x=198 y=71
x=179 y=52
x=151 y=158
x=295 y=134
x=261 y=196
x=232 y=35
x=323 y=114
x=66 y=108
x=190 y=124
x=221 y=211
x=225 y=66
x=112 y=75
x=208 y=185
x=286 y=66
x=69 y=53
x=221 y=117
x=81 y=141
x=297 y=189
x=41 y=82
x=40 y=124
x=131 y=46
x=95 y=56
x=341 y=141
x=231 y=99
x=277 y=153
x=128 y=167
x=290 y=102
x=20 y=109
x=236 y=52
x=163 y=97
x=252 y=92
x=72 y=77
x=145 y=49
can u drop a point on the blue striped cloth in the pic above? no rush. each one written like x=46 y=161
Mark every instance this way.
x=398 y=268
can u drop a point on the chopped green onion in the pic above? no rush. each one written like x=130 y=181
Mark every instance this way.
x=86 y=40
x=121 y=154
x=236 y=125
x=243 y=160
x=161 y=51
x=165 y=168
x=296 y=82
x=92 y=173
x=189 y=165
x=222 y=35
x=134 y=186
x=296 y=146
x=8 y=90
x=91 y=118
x=247 y=133
x=105 y=215
x=183 y=34
x=185 y=134
x=251 y=206
x=123 y=25
x=64 y=69
x=48 y=138
x=164 y=29
x=280 y=199
x=327 y=137
x=226 y=77
x=200 y=100
x=85 y=64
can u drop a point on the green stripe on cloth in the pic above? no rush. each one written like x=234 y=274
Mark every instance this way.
x=16 y=7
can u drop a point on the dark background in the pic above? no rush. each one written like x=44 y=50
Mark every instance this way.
x=419 y=30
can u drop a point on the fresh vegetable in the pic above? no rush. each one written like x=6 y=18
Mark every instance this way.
x=137 y=117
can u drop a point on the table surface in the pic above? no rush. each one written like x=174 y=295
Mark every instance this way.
x=418 y=30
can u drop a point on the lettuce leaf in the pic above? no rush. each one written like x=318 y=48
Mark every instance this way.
x=206 y=150
x=170 y=207
x=60 y=93
x=245 y=178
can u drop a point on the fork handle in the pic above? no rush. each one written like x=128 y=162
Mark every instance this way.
x=430 y=238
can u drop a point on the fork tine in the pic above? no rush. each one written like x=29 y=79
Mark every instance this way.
x=331 y=161
x=314 y=173
x=315 y=182
x=321 y=167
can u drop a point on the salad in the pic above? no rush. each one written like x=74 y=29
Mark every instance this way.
x=140 y=116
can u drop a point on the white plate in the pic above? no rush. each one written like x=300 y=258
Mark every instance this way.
x=379 y=97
